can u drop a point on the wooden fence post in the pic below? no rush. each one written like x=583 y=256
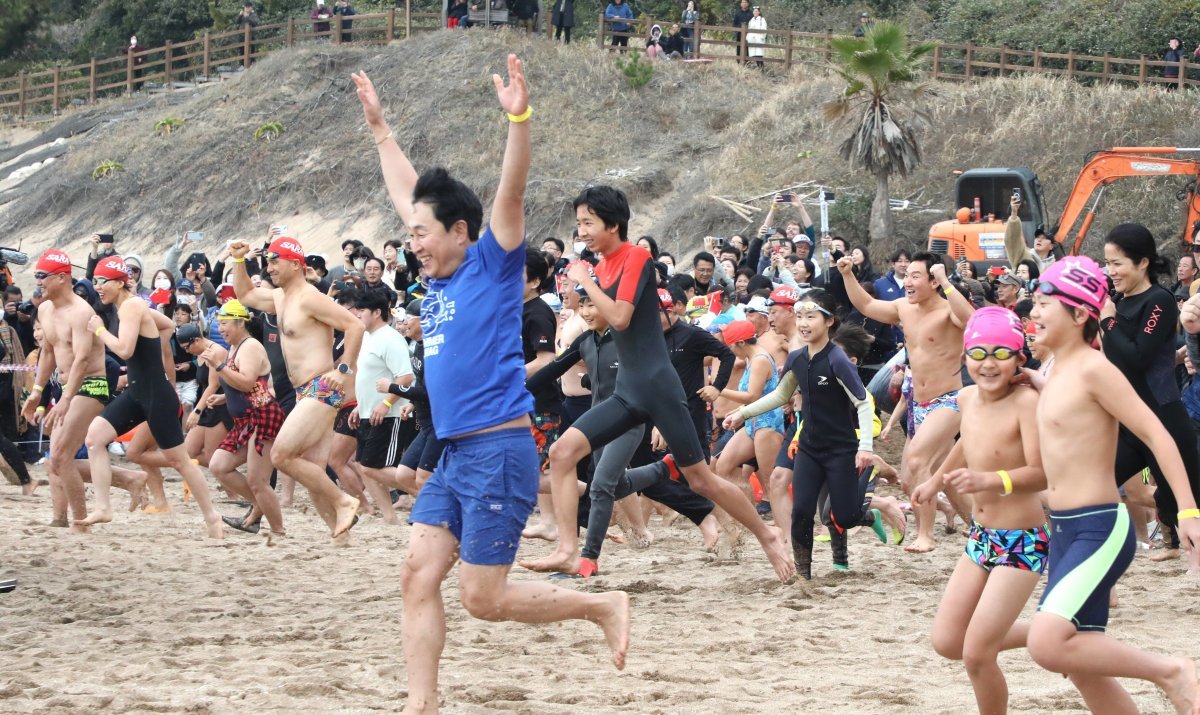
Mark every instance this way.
x=246 y=47
x=167 y=64
x=828 y=44
x=92 y=82
x=600 y=32
x=407 y=19
x=937 y=60
x=21 y=95
x=207 y=59
x=1107 y=64
x=1037 y=59
x=787 y=54
x=1071 y=64
x=57 y=80
x=742 y=56
x=391 y=23
x=290 y=34
x=1003 y=58
x=337 y=29
x=969 y=59
x=129 y=72
x=1142 y=71
x=1182 y=71
x=696 y=39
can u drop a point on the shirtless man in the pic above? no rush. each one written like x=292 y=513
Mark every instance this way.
x=933 y=331
x=307 y=320
x=70 y=346
x=150 y=396
x=758 y=312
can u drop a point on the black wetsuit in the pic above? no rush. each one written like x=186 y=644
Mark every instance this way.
x=148 y=398
x=285 y=393
x=1140 y=341
x=688 y=346
x=650 y=390
x=426 y=449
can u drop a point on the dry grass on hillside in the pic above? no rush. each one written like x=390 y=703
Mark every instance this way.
x=693 y=132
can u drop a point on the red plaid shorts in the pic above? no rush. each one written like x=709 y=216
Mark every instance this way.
x=265 y=422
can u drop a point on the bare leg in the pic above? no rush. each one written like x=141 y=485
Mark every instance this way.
x=922 y=456
x=572 y=447
x=377 y=482
x=993 y=628
x=545 y=528
x=310 y=423
x=64 y=444
x=781 y=501
x=258 y=478
x=224 y=466
x=99 y=434
x=180 y=462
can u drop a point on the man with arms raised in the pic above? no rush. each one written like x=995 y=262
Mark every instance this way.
x=933 y=331
x=70 y=346
x=307 y=320
x=476 y=503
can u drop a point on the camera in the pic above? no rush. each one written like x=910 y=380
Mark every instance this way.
x=827 y=196
x=771 y=232
x=25 y=307
x=719 y=242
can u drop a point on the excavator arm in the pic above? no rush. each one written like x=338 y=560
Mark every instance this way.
x=1105 y=167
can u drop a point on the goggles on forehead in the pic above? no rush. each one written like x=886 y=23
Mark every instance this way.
x=980 y=354
x=1047 y=288
x=808 y=306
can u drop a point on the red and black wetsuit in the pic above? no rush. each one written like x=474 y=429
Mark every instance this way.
x=648 y=388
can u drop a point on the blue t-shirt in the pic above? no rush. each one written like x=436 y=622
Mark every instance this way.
x=471 y=322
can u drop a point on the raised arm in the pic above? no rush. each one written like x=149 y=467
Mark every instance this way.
x=508 y=208
x=249 y=296
x=960 y=308
x=1014 y=236
x=882 y=310
x=398 y=173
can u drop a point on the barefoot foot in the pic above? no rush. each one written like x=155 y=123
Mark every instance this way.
x=778 y=554
x=546 y=531
x=1180 y=687
x=345 y=516
x=1165 y=555
x=557 y=561
x=27 y=490
x=729 y=543
x=710 y=531
x=97 y=517
x=922 y=545
x=58 y=522
x=615 y=622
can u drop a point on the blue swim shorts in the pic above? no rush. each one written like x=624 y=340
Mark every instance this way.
x=1090 y=548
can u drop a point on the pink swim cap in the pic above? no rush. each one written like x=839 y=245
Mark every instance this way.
x=1077 y=281
x=994 y=326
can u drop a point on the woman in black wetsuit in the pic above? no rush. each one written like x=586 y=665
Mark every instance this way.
x=1138 y=334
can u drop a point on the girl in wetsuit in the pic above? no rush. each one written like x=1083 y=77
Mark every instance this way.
x=1137 y=330
x=148 y=398
x=762 y=436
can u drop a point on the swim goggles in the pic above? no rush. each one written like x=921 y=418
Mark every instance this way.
x=979 y=354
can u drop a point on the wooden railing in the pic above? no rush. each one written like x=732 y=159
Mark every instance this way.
x=948 y=61
x=38 y=94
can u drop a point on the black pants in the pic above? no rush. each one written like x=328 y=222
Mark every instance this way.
x=623 y=41
x=562 y=32
x=1133 y=456
x=836 y=472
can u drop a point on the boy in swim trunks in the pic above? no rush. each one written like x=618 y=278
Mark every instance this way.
x=1084 y=399
x=997 y=461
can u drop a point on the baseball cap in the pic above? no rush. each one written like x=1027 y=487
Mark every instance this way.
x=1011 y=279
x=54 y=261
x=1077 y=281
x=187 y=285
x=187 y=333
x=994 y=325
x=315 y=261
x=286 y=249
x=757 y=304
x=738 y=331
x=413 y=307
x=553 y=301
x=233 y=310
x=802 y=238
x=112 y=268
x=784 y=295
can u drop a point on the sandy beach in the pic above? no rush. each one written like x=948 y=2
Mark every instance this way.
x=143 y=615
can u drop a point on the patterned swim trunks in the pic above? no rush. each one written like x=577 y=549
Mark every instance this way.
x=545 y=429
x=95 y=387
x=321 y=389
x=922 y=410
x=1023 y=549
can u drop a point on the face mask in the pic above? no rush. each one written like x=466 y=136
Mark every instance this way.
x=162 y=284
x=185 y=299
x=670 y=269
x=579 y=247
x=359 y=263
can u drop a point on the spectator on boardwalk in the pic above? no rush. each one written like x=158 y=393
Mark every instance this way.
x=756 y=40
x=248 y=18
x=691 y=16
x=1173 y=54
x=741 y=18
x=320 y=16
x=346 y=12
x=673 y=46
x=617 y=9
x=563 y=19
x=864 y=25
x=460 y=11
x=134 y=50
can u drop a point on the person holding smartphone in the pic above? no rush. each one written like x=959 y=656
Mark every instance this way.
x=101 y=248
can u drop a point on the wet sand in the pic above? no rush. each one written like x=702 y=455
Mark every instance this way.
x=143 y=615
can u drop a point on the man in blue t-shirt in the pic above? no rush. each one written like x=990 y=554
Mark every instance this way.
x=475 y=504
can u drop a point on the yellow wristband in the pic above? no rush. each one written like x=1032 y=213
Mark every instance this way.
x=385 y=138
x=36 y=388
x=40 y=409
x=389 y=404
x=101 y=329
x=1007 y=480
x=522 y=117
x=1188 y=514
x=239 y=260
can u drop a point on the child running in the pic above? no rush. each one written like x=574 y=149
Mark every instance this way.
x=830 y=453
x=997 y=462
x=1086 y=395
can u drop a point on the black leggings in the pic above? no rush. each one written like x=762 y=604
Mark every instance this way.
x=616 y=416
x=1133 y=456
x=836 y=472
x=154 y=403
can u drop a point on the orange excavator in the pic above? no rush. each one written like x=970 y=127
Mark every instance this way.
x=977 y=231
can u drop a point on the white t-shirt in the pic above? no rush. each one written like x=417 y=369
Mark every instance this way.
x=384 y=354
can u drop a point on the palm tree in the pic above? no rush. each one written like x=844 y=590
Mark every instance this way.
x=881 y=106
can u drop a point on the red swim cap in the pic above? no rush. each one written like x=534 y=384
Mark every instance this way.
x=286 y=249
x=54 y=261
x=112 y=268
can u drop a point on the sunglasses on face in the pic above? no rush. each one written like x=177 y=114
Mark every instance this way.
x=98 y=281
x=979 y=354
x=41 y=275
x=811 y=307
x=135 y=269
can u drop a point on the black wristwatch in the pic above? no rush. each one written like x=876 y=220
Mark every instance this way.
x=345 y=369
x=221 y=367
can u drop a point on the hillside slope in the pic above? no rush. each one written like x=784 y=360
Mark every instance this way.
x=694 y=131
